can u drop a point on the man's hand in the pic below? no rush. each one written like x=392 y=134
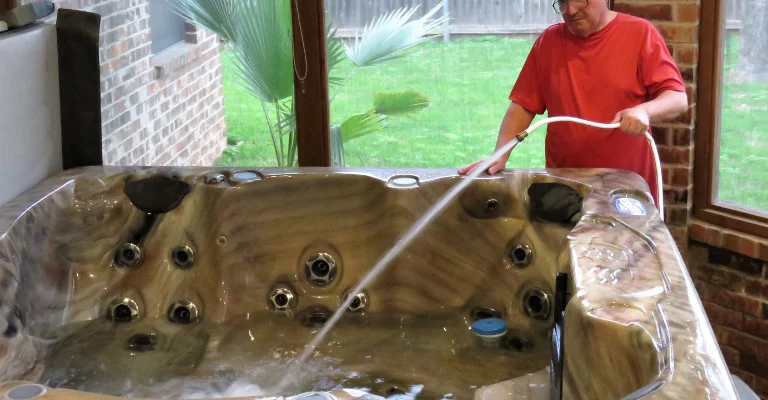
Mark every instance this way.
x=497 y=166
x=634 y=121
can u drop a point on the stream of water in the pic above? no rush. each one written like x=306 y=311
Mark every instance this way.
x=387 y=259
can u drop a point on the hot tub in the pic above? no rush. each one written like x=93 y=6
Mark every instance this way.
x=207 y=283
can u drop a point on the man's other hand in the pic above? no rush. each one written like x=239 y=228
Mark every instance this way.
x=634 y=121
x=497 y=166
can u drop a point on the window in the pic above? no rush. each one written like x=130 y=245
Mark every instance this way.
x=167 y=27
x=438 y=103
x=731 y=146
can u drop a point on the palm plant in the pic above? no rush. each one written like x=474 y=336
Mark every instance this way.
x=259 y=33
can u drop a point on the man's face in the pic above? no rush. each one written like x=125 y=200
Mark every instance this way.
x=581 y=16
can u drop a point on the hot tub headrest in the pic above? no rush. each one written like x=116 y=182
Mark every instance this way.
x=554 y=202
x=156 y=195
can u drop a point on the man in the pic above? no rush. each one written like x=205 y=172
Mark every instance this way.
x=601 y=66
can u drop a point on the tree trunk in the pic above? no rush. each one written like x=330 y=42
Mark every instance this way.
x=753 y=44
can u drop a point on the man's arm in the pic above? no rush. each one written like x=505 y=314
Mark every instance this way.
x=666 y=106
x=516 y=119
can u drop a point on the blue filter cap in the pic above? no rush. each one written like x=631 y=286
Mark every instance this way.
x=489 y=327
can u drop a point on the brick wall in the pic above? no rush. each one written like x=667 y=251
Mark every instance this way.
x=730 y=269
x=157 y=109
x=678 y=22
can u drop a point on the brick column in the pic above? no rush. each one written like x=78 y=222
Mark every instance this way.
x=729 y=268
x=678 y=22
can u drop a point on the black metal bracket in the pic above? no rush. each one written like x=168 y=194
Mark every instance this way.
x=558 y=344
x=79 y=87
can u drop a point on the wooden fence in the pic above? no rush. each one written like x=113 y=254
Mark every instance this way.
x=467 y=16
x=473 y=16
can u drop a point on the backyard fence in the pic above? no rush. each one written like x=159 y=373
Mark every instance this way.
x=474 y=16
x=467 y=16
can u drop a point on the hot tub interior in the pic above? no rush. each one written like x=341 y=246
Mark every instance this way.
x=164 y=283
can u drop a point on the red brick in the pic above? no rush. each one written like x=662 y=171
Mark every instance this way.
x=724 y=316
x=666 y=175
x=686 y=118
x=754 y=364
x=655 y=12
x=731 y=241
x=686 y=54
x=763 y=250
x=748 y=247
x=714 y=237
x=676 y=196
x=722 y=334
x=681 y=176
x=690 y=92
x=730 y=355
x=662 y=135
x=688 y=74
x=737 y=302
x=676 y=215
x=698 y=232
x=735 y=261
x=675 y=155
x=673 y=33
x=682 y=136
x=756 y=287
x=761 y=386
x=725 y=279
x=755 y=326
x=679 y=234
x=703 y=273
x=702 y=288
x=747 y=343
x=687 y=12
x=697 y=252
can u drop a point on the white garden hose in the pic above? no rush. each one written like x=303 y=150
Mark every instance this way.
x=659 y=177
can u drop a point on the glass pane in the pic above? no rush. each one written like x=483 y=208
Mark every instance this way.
x=743 y=151
x=166 y=26
x=464 y=81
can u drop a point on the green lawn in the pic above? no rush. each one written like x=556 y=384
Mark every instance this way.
x=743 y=162
x=467 y=82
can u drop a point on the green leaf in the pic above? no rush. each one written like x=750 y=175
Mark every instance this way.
x=391 y=33
x=334 y=54
x=399 y=103
x=361 y=124
x=264 y=48
x=287 y=123
x=217 y=16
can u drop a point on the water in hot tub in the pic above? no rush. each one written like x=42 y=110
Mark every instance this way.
x=435 y=357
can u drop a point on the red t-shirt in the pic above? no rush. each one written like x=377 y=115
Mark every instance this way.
x=624 y=64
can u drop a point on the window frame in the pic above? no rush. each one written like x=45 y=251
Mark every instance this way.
x=310 y=82
x=705 y=207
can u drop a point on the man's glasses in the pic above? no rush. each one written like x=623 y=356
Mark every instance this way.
x=561 y=6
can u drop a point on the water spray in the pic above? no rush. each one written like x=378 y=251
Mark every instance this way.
x=432 y=213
